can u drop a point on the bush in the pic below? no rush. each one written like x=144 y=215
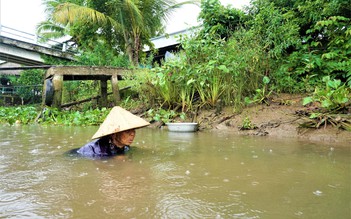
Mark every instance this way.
x=30 y=85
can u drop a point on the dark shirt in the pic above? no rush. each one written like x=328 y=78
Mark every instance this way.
x=100 y=148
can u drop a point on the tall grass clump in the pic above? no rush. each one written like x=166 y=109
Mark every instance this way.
x=171 y=85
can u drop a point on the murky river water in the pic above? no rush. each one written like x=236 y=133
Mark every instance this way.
x=171 y=175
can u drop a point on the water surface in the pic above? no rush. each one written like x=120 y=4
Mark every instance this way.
x=171 y=175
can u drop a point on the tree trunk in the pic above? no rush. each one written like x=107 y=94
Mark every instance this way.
x=136 y=50
x=132 y=49
x=129 y=51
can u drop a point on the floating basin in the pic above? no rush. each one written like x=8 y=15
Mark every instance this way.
x=182 y=126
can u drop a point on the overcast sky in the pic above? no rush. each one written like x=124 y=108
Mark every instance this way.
x=24 y=15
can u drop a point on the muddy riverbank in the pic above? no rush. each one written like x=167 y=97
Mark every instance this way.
x=282 y=118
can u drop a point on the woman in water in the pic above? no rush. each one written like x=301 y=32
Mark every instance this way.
x=115 y=134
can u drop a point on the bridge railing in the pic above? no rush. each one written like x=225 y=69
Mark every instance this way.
x=32 y=38
x=13 y=90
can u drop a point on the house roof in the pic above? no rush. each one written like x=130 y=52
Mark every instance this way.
x=9 y=72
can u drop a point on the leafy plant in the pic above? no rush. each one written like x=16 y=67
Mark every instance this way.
x=52 y=116
x=261 y=95
x=173 y=84
x=334 y=97
x=247 y=124
x=21 y=115
x=165 y=116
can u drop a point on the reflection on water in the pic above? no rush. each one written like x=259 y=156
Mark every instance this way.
x=171 y=175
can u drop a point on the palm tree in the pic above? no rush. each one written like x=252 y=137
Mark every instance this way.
x=48 y=29
x=128 y=24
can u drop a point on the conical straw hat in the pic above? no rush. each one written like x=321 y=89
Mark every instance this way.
x=119 y=120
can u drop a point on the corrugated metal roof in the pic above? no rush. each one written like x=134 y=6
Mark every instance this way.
x=170 y=39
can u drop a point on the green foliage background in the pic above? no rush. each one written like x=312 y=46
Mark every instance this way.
x=29 y=83
x=272 y=46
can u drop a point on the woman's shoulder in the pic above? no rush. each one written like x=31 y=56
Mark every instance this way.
x=92 y=148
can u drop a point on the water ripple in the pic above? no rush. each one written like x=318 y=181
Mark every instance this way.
x=9 y=197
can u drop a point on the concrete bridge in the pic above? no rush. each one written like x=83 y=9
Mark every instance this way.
x=23 y=48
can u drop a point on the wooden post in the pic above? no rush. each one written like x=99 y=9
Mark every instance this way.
x=58 y=85
x=43 y=96
x=103 y=89
x=115 y=89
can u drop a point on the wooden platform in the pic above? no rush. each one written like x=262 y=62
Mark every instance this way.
x=55 y=76
x=85 y=72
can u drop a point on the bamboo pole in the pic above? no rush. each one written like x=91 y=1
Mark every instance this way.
x=90 y=98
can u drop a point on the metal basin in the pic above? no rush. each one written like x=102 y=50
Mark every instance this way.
x=182 y=126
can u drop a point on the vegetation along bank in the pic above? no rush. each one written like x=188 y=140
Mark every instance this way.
x=240 y=62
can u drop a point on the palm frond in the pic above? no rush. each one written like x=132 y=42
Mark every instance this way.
x=69 y=13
